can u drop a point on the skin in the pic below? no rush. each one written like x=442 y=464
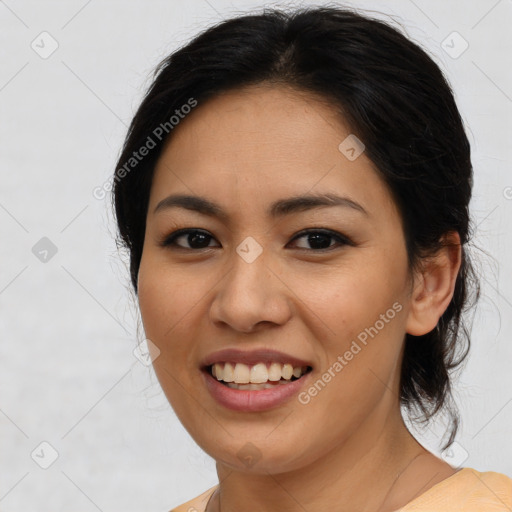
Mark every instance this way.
x=243 y=150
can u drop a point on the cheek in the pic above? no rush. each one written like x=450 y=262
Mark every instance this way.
x=164 y=296
x=350 y=299
x=164 y=303
x=364 y=310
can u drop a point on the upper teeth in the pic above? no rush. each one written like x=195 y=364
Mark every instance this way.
x=241 y=373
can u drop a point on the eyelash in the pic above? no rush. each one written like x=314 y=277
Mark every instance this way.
x=169 y=241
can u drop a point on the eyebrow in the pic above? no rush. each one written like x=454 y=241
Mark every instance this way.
x=277 y=209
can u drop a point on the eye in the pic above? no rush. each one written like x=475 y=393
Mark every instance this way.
x=197 y=239
x=194 y=237
x=319 y=239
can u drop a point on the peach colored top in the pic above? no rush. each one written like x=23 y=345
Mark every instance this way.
x=465 y=491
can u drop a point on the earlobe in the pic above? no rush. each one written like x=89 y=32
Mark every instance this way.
x=434 y=286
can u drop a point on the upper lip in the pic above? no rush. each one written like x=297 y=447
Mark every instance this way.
x=252 y=357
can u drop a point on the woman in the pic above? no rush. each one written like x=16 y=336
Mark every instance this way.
x=294 y=193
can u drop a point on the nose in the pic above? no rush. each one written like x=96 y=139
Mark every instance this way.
x=250 y=296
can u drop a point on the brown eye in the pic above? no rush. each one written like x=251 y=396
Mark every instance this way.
x=320 y=240
x=195 y=238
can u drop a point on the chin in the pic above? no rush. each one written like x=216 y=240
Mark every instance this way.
x=256 y=452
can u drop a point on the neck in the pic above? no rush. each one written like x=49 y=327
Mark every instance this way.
x=361 y=473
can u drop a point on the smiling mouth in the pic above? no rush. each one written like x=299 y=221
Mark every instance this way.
x=256 y=377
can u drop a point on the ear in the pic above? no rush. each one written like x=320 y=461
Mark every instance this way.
x=434 y=286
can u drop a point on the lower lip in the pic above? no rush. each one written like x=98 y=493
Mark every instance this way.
x=252 y=401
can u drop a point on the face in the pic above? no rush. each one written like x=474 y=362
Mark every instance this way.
x=326 y=286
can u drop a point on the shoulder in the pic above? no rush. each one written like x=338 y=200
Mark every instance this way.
x=198 y=504
x=490 y=488
x=468 y=490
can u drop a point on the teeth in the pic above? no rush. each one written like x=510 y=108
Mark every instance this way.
x=274 y=372
x=242 y=373
x=255 y=387
x=287 y=371
x=260 y=373
x=229 y=373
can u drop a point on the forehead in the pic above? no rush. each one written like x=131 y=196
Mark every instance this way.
x=276 y=116
x=262 y=143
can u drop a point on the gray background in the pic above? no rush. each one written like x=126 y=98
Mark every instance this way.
x=68 y=321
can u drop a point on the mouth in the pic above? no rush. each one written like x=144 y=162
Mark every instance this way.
x=255 y=377
x=254 y=381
